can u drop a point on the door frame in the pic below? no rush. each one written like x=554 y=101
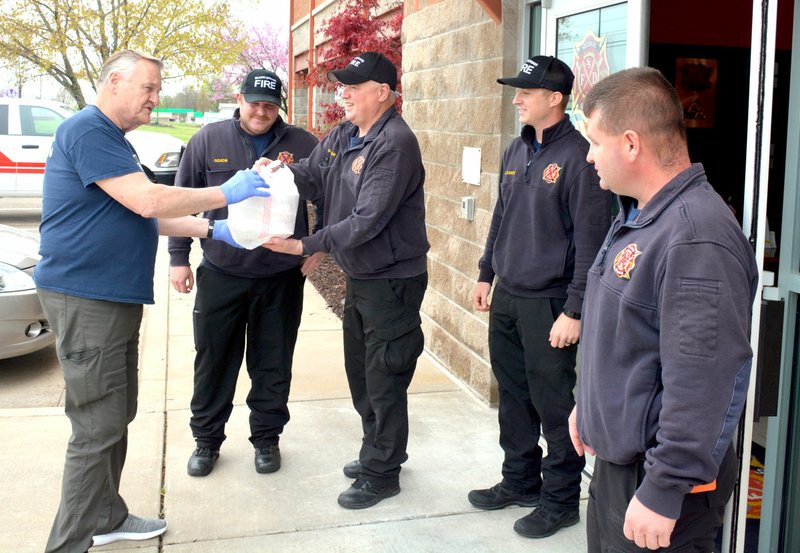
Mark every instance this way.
x=777 y=473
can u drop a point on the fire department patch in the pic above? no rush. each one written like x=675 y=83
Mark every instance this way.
x=286 y=157
x=626 y=260
x=551 y=173
x=358 y=164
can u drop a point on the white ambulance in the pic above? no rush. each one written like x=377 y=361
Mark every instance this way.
x=26 y=133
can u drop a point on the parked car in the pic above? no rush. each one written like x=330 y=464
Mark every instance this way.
x=26 y=134
x=23 y=326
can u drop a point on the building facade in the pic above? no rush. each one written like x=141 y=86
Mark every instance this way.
x=741 y=126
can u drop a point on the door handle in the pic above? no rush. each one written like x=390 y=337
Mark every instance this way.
x=30 y=146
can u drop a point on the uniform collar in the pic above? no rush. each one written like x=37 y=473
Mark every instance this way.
x=373 y=131
x=664 y=197
x=550 y=134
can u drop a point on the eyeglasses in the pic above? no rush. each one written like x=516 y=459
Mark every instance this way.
x=353 y=88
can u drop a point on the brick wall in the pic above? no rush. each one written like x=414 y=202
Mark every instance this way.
x=453 y=52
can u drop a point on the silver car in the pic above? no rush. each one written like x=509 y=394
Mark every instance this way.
x=23 y=327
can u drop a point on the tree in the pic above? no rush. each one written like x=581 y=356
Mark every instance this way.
x=266 y=48
x=23 y=72
x=193 y=97
x=357 y=26
x=70 y=39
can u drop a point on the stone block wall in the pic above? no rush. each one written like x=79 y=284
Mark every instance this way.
x=453 y=52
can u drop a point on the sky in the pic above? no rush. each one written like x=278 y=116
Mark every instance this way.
x=259 y=10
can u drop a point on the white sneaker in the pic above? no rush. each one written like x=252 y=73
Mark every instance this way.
x=134 y=528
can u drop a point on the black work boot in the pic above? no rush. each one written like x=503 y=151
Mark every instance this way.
x=543 y=522
x=498 y=496
x=268 y=459
x=201 y=463
x=363 y=493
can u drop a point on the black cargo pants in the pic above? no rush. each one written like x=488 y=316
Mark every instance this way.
x=382 y=341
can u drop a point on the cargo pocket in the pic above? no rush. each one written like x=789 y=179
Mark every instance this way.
x=399 y=345
x=85 y=379
x=698 y=302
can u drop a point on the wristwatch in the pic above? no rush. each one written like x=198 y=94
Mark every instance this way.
x=571 y=314
x=210 y=233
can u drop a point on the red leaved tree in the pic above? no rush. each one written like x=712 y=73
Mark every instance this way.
x=356 y=27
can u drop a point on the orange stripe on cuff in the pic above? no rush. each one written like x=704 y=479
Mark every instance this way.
x=700 y=488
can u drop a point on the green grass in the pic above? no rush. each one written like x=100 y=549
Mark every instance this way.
x=182 y=131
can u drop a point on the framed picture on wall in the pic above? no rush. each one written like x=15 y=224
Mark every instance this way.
x=696 y=83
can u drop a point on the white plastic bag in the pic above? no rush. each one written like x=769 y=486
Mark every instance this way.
x=255 y=220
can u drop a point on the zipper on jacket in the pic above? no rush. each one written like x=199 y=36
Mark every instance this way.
x=530 y=161
x=613 y=234
x=601 y=260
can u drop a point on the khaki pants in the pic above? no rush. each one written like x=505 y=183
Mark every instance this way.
x=97 y=344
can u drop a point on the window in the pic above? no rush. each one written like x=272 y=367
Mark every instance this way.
x=609 y=24
x=322 y=96
x=3 y=119
x=593 y=44
x=534 y=34
x=300 y=99
x=38 y=121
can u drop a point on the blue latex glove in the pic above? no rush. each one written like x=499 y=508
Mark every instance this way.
x=222 y=232
x=242 y=185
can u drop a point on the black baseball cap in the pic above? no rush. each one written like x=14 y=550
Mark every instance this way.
x=369 y=66
x=261 y=85
x=543 y=72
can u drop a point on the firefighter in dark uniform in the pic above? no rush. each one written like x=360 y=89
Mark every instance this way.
x=248 y=301
x=548 y=223
x=369 y=170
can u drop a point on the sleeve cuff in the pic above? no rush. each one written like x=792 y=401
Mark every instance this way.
x=486 y=274
x=665 y=502
x=573 y=303
x=312 y=244
x=179 y=259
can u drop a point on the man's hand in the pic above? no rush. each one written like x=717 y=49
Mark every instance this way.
x=480 y=296
x=284 y=245
x=565 y=332
x=645 y=527
x=182 y=279
x=311 y=263
x=580 y=447
x=243 y=185
x=223 y=232
x=261 y=163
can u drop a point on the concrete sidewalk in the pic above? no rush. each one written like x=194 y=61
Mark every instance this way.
x=452 y=449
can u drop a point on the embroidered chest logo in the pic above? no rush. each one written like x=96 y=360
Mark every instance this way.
x=286 y=157
x=626 y=261
x=358 y=164
x=220 y=160
x=551 y=173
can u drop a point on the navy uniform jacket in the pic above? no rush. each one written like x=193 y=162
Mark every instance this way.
x=374 y=202
x=549 y=219
x=212 y=156
x=665 y=354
